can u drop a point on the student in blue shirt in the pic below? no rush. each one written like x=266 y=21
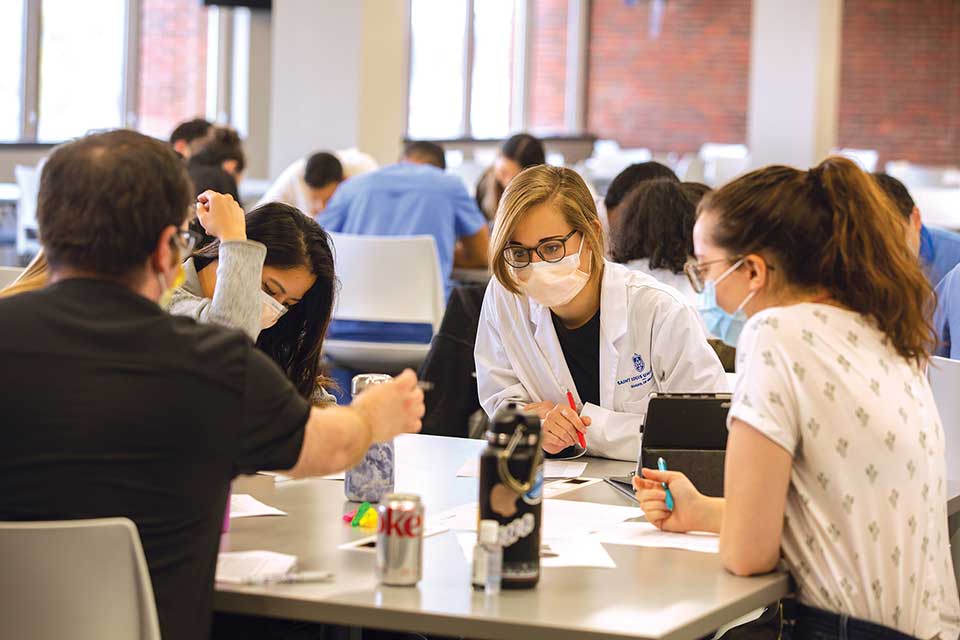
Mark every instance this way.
x=939 y=249
x=946 y=319
x=414 y=197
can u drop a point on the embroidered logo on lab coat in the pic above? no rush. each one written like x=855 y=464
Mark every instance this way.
x=641 y=378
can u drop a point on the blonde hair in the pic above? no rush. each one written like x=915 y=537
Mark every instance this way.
x=545 y=184
x=35 y=276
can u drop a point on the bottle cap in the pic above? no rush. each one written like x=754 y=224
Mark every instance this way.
x=510 y=416
x=489 y=531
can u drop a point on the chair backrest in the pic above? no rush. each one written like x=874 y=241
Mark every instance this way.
x=8 y=275
x=944 y=375
x=78 y=579
x=28 y=179
x=388 y=279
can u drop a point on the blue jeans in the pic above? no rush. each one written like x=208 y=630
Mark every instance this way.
x=816 y=624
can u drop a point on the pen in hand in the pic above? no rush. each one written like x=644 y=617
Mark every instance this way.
x=573 y=405
x=662 y=466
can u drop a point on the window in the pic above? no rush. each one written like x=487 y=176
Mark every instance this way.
x=81 y=68
x=485 y=68
x=73 y=67
x=490 y=96
x=437 y=72
x=11 y=72
x=461 y=54
x=173 y=64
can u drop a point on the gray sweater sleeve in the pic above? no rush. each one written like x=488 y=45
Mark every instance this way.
x=236 y=300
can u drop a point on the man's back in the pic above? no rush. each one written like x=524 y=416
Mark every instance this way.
x=113 y=408
x=406 y=199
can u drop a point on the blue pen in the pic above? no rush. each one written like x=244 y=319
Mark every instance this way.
x=662 y=465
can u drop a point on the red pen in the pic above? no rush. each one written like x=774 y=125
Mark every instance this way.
x=573 y=405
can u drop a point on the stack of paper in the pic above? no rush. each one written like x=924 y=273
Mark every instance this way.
x=551 y=469
x=644 y=534
x=555 y=553
x=253 y=567
x=246 y=506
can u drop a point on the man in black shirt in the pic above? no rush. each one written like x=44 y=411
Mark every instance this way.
x=111 y=407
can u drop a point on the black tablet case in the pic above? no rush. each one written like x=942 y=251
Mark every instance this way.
x=689 y=431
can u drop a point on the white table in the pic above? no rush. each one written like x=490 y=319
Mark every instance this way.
x=653 y=593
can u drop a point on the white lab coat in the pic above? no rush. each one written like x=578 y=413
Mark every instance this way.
x=650 y=340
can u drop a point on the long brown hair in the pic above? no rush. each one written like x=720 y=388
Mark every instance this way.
x=832 y=228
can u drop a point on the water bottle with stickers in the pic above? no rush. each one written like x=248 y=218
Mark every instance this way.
x=511 y=492
x=373 y=477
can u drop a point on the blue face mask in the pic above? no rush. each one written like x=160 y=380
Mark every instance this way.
x=726 y=326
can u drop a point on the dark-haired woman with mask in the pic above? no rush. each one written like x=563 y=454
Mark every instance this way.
x=835 y=457
x=519 y=152
x=270 y=273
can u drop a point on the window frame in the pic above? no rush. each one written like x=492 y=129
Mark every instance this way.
x=578 y=42
x=218 y=81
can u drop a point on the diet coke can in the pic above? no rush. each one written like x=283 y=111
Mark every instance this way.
x=400 y=540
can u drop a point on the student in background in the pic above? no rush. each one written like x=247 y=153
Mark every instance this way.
x=414 y=197
x=205 y=178
x=309 y=183
x=151 y=397
x=519 y=152
x=224 y=149
x=189 y=136
x=559 y=317
x=946 y=320
x=270 y=274
x=835 y=458
x=630 y=178
x=654 y=233
x=939 y=249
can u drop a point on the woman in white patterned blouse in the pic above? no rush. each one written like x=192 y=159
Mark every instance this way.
x=835 y=459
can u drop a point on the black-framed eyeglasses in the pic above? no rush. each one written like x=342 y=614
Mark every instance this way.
x=695 y=270
x=549 y=250
x=188 y=239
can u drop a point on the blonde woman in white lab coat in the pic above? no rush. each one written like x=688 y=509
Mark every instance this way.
x=559 y=317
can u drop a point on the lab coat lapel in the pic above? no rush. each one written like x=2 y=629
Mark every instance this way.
x=613 y=326
x=546 y=337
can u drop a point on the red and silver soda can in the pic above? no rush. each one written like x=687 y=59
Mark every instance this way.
x=400 y=540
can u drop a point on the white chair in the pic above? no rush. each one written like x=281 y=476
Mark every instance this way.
x=386 y=279
x=77 y=579
x=28 y=180
x=944 y=375
x=8 y=275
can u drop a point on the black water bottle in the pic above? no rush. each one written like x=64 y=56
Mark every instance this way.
x=511 y=492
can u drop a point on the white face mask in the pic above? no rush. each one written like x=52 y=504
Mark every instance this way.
x=270 y=312
x=553 y=284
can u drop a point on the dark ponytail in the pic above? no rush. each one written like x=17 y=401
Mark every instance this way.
x=832 y=228
x=293 y=240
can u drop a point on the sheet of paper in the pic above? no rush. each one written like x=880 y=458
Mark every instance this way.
x=570 y=519
x=561 y=518
x=644 y=534
x=583 y=552
x=551 y=469
x=253 y=567
x=279 y=477
x=560 y=487
x=369 y=543
x=246 y=506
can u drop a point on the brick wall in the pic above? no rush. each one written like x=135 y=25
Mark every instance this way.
x=548 y=62
x=674 y=92
x=900 y=79
x=173 y=56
